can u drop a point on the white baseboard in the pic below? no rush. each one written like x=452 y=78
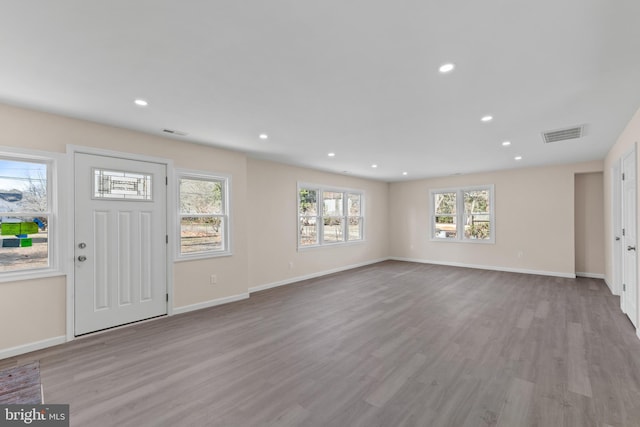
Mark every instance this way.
x=489 y=267
x=210 y=303
x=613 y=292
x=28 y=348
x=590 y=275
x=313 y=275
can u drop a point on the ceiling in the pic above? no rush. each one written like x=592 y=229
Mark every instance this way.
x=357 y=78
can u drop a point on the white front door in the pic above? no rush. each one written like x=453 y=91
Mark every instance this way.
x=629 y=239
x=120 y=241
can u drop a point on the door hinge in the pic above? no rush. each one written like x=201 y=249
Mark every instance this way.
x=623 y=176
x=167 y=297
x=624 y=287
x=166 y=238
x=623 y=232
x=166 y=180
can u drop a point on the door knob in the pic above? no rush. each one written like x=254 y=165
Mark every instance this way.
x=631 y=248
x=617 y=238
x=82 y=245
x=82 y=258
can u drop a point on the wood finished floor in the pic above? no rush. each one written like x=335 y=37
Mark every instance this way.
x=392 y=344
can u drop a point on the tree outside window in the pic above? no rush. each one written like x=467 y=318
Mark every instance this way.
x=328 y=216
x=25 y=215
x=203 y=215
x=463 y=214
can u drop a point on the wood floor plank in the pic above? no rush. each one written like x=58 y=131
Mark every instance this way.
x=577 y=363
x=525 y=318
x=292 y=416
x=395 y=381
x=542 y=310
x=389 y=344
x=515 y=411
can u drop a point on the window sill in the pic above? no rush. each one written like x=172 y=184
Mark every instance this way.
x=331 y=245
x=208 y=255
x=30 y=275
x=472 y=241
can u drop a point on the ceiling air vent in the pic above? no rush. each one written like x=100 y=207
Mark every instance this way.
x=174 y=132
x=563 y=134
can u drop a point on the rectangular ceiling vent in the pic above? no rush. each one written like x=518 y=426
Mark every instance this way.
x=563 y=134
x=175 y=132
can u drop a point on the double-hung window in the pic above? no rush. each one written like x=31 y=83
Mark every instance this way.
x=203 y=201
x=27 y=220
x=329 y=216
x=463 y=214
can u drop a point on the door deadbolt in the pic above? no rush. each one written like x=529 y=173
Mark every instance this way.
x=82 y=258
x=82 y=245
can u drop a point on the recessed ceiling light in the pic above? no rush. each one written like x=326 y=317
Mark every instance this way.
x=506 y=143
x=141 y=102
x=374 y=166
x=518 y=158
x=263 y=136
x=487 y=118
x=331 y=154
x=405 y=173
x=447 y=68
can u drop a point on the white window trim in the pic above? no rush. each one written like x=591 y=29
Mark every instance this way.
x=54 y=202
x=212 y=176
x=320 y=189
x=459 y=216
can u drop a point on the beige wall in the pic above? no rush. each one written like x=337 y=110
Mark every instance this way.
x=35 y=130
x=32 y=311
x=534 y=215
x=37 y=308
x=272 y=224
x=589 y=224
x=625 y=142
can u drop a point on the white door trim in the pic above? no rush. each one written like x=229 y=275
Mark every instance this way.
x=632 y=154
x=616 y=227
x=69 y=261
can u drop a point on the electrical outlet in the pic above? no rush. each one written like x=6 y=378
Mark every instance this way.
x=213 y=279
